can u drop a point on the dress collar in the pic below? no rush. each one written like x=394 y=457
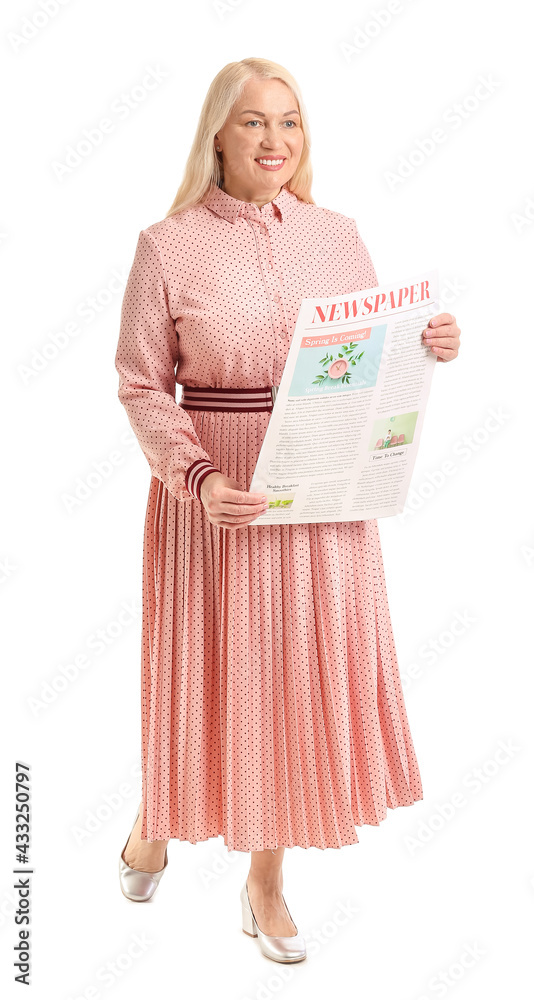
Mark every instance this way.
x=231 y=209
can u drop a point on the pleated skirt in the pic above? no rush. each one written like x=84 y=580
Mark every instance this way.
x=272 y=707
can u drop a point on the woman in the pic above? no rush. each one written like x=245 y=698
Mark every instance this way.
x=272 y=707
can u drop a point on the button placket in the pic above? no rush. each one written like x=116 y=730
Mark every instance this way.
x=279 y=324
x=276 y=286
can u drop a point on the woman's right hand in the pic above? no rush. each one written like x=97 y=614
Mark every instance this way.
x=227 y=504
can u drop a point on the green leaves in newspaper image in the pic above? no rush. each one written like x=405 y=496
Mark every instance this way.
x=339 y=367
x=338 y=361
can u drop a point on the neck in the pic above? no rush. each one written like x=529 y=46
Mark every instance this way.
x=235 y=191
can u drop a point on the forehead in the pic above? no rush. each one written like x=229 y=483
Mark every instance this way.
x=271 y=96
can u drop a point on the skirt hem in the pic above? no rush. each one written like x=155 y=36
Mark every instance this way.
x=321 y=847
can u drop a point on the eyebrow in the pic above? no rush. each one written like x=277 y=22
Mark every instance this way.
x=261 y=114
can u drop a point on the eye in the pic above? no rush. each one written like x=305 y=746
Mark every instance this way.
x=253 y=121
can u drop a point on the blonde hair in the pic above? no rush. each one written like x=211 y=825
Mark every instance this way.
x=204 y=165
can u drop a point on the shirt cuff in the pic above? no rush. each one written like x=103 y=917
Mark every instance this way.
x=196 y=475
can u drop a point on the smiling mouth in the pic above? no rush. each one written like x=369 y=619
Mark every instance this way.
x=270 y=161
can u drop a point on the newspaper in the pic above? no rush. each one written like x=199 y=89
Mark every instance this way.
x=344 y=431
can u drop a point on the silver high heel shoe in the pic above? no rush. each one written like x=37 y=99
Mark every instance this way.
x=136 y=885
x=280 y=949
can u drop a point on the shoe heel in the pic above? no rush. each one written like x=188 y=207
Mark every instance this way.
x=248 y=921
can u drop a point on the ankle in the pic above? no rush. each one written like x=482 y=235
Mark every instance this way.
x=268 y=883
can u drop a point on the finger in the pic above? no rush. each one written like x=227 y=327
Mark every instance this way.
x=229 y=495
x=441 y=341
x=238 y=509
x=442 y=319
x=229 y=524
x=444 y=353
x=229 y=515
x=443 y=330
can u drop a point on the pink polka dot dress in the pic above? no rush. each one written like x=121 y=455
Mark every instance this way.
x=272 y=707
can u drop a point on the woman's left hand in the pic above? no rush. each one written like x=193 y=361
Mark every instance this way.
x=443 y=337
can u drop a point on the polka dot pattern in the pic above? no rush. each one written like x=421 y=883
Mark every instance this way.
x=272 y=706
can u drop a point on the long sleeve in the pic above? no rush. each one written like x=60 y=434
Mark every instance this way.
x=146 y=360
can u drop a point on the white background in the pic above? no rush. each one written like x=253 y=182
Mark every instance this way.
x=459 y=564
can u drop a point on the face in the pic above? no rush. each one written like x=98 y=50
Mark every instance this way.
x=264 y=124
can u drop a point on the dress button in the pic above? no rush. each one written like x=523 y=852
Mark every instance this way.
x=276 y=298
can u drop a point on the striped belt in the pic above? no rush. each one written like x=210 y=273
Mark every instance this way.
x=247 y=400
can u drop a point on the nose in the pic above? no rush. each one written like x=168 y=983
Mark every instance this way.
x=271 y=139
x=272 y=147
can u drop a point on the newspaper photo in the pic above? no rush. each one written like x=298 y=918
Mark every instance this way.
x=344 y=430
